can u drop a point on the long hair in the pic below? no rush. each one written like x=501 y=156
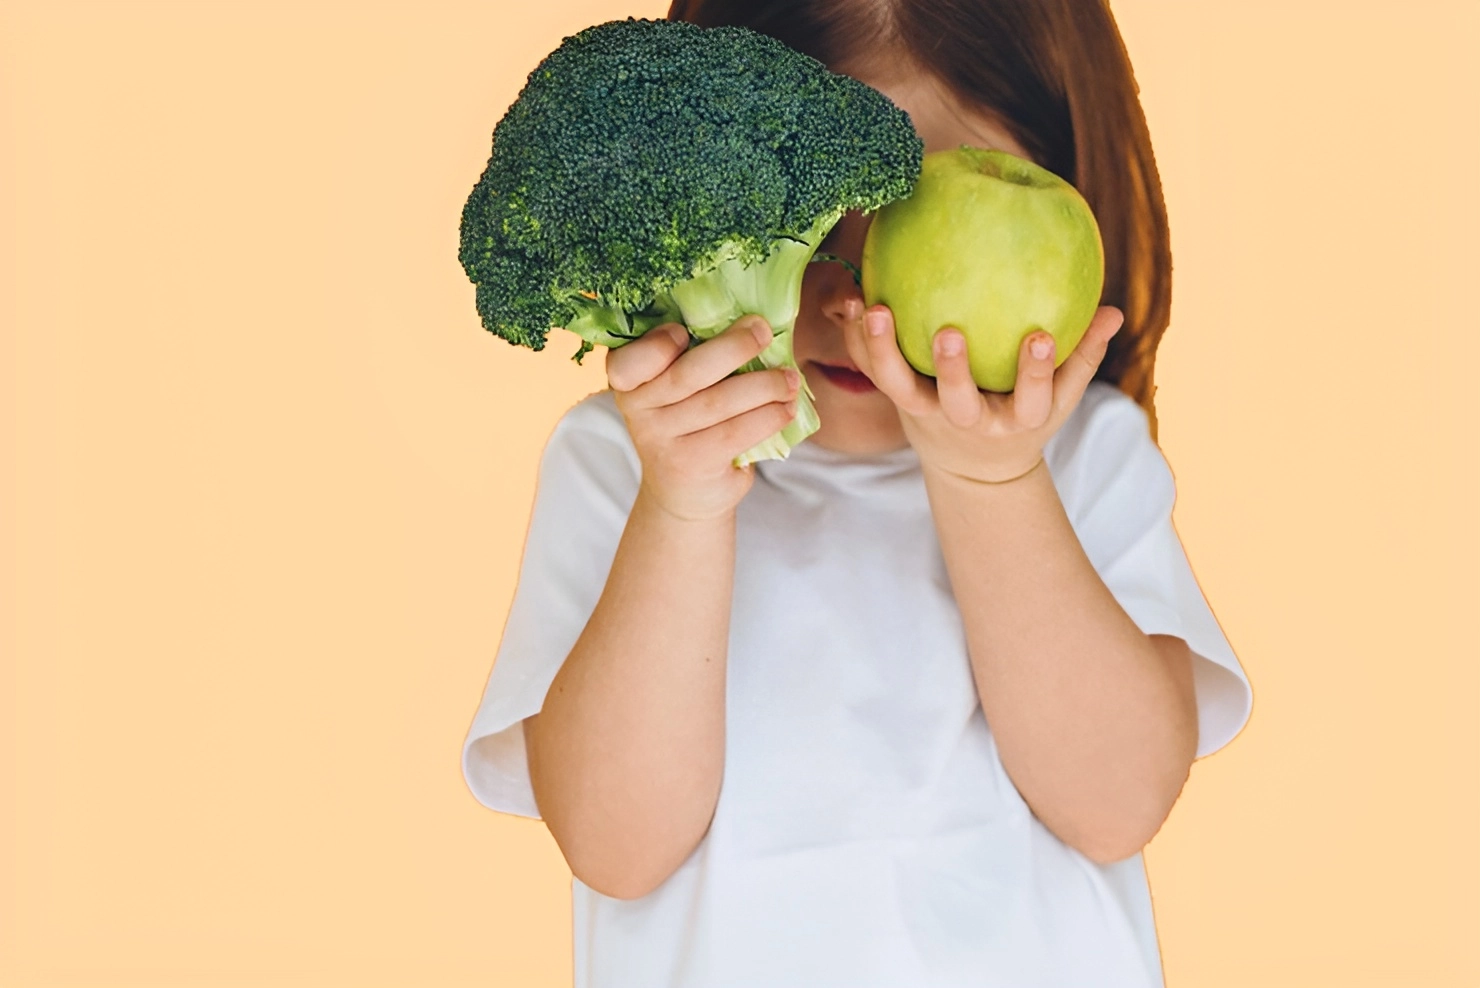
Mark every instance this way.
x=1055 y=74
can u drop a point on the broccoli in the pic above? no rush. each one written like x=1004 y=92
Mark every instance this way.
x=655 y=171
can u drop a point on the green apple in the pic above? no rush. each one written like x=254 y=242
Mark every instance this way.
x=993 y=245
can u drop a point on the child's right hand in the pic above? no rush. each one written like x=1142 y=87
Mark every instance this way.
x=689 y=419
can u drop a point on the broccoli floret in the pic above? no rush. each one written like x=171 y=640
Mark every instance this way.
x=655 y=171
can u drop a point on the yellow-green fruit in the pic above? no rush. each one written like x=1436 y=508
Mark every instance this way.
x=993 y=245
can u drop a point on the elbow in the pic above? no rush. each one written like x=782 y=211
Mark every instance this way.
x=594 y=861
x=1109 y=852
x=1118 y=835
x=613 y=890
x=615 y=876
x=619 y=844
x=1106 y=846
x=626 y=874
x=626 y=884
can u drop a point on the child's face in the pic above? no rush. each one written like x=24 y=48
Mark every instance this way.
x=860 y=418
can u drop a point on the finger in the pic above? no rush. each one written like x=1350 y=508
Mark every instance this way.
x=960 y=400
x=634 y=364
x=723 y=442
x=850 y=314
x=1079 y=369
x=704 y=364
x=891 y=373
x=1032 y=394
x=727 y=399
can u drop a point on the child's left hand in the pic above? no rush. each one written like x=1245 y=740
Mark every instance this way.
x=958 y=428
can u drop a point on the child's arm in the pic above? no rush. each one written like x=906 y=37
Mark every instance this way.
x=626 y=755
x=1095 y=722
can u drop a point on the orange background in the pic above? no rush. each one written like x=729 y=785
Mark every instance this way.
x=266 y=481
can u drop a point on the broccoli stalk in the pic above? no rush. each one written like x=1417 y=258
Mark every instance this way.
x=655 y=171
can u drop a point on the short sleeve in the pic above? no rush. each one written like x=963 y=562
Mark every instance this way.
x=588 y=479
x=1118 y=489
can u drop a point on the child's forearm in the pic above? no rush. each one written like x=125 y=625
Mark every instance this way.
x=1095 y=721
x=627 y=755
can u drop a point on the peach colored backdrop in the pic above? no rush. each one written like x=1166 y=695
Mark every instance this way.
x=266 y=480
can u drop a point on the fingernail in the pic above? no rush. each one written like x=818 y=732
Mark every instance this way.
x=950 y=344
x=680 y=335
x=876 y=324
x=762 y=332
x=1041 y=347
x=793 y=377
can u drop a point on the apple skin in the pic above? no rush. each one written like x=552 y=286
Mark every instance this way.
x=993 y=245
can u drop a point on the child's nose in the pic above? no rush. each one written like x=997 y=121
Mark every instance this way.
x=842 y=301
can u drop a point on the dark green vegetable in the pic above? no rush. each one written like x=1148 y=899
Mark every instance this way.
x=656 y=171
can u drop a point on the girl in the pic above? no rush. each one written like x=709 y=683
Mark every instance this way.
x=902 y=709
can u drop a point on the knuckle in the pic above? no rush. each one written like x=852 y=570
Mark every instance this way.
x=1000 y=427
x=678 y=379
x=710 y=402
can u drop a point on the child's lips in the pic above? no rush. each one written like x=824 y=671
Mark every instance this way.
x=846 y=377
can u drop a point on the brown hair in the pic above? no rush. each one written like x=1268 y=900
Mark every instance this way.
x=1056 y=74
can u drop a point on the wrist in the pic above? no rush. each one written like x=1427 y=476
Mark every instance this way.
x=680 y=512
x=995 y=478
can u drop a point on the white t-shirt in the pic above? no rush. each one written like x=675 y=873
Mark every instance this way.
x=866 y=834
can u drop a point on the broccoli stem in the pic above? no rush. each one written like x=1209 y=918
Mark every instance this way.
x=772 y=288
